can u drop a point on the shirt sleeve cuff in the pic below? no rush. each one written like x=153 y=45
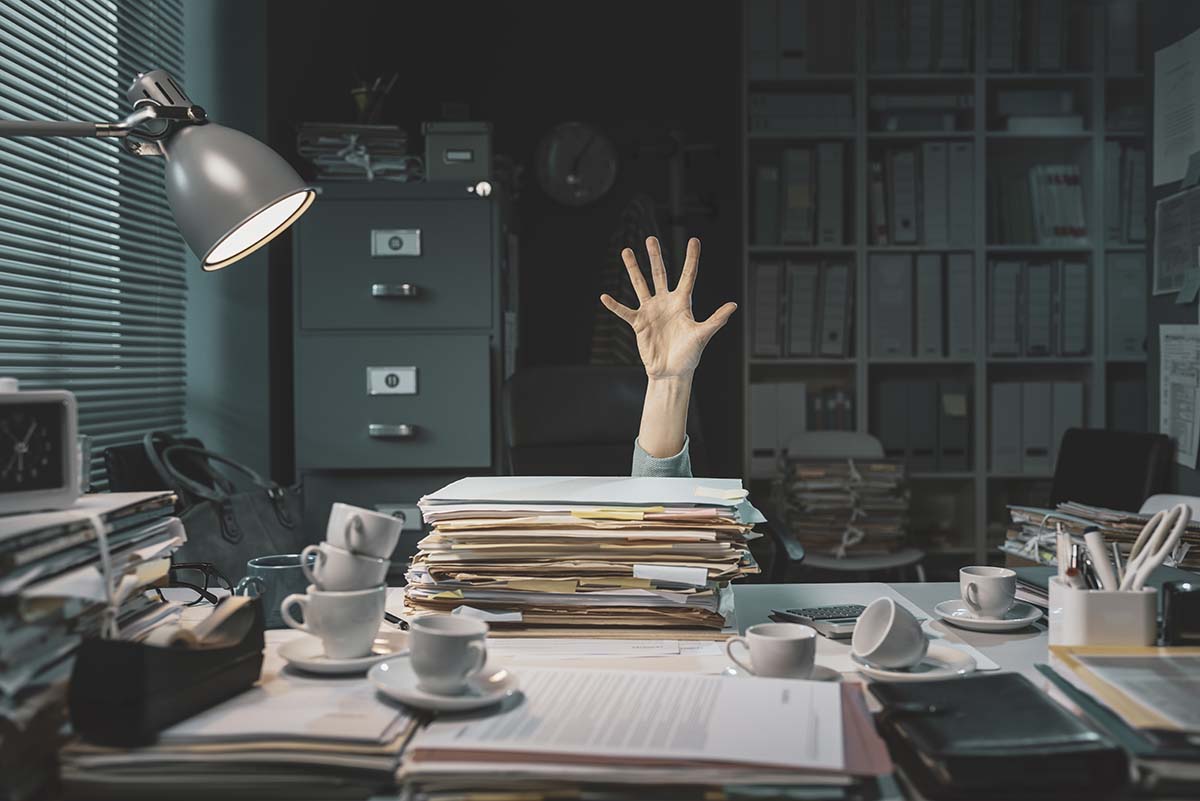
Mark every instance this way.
x=645 y=465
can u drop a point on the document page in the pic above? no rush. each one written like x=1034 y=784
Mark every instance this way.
x=620 y=715
x=1166 y=685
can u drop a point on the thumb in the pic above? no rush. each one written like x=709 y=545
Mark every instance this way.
x=717 y=320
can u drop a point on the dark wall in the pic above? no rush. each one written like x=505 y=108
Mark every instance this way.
x=1171 y=20
x=636 y=70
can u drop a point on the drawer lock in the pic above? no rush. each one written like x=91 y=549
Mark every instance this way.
x=391 y=431
x=395 y=290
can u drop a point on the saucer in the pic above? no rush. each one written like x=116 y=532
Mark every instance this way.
x=396 y=679
x=957 y=613
x=820 y=673
x=940 y=662
x=306 y=653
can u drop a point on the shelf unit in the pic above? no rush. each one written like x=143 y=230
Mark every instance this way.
x=987 y=490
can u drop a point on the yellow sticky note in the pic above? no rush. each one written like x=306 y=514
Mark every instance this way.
x=723 y=494
x=608 y=514
x=543 y=585
x=447 y=595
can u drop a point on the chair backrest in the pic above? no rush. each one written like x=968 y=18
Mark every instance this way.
x=1158 y=503
x=1113 y=469
x=580 y=420
x=834 y=445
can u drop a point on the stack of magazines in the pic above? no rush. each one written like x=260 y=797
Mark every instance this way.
x=357 y=152
x=584 y=551
x=52 y=595
x=845 y=507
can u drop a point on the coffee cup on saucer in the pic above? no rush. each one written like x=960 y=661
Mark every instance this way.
x=777 y=650
x=446 y=651
x=346 y=622
x=363 y=532
x=886 y=635
x=336 y=569
x=988 y=591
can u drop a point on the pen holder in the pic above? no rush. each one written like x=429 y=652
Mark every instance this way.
x=1102 y=617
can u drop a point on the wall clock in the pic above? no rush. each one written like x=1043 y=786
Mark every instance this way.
x=576 y=164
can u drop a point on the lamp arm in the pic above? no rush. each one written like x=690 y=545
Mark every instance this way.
x=145 y=114
x=72 y=129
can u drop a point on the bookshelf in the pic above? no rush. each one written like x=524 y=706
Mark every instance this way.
x=956 y=512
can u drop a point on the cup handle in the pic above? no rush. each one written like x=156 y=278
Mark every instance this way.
x=308 y=570
x=354 y=534
x=244 y=586
x=480 y=651
x=729 y=652
x=971 y=596
x=285 y=611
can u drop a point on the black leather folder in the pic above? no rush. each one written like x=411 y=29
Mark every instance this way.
x=995 y=737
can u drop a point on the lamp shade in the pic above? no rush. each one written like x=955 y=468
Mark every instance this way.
x=230 y=193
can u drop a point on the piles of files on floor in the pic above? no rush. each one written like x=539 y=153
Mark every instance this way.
x=50 y=599
x=551 y=551
x=292 y=736
x=600 y=734
x=1031 y=532
x=357 y=152
x=845 y=507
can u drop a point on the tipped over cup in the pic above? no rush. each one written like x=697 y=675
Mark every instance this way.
x=888 y=636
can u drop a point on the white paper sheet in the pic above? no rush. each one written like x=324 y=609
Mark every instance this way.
x=1179 y=389
x=627 y=715
x=1168 y=685
x=587 y=490
x=1176 y=123
x=1176 y=238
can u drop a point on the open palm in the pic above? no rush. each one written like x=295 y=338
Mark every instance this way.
x=669 y=339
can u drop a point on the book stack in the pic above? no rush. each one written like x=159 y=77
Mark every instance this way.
x=52 y=596
x=802 y=309
x=913 y=199
x=584 y=552
x=1046 y=207
x=1037 y=111
x=926 y=112
x=846 y=508
x=1039 y=308
x=1125 y=210
x=357 y=152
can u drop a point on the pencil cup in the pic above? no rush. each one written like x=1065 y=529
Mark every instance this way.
x=1102 y=617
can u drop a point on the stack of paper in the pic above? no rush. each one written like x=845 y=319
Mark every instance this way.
x=357 y=152
x=624 y=734
x=846 y=507
x=289 y=737
x=51 y=597
x=583 y=551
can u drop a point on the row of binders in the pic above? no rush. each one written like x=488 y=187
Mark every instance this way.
x=781 y=410
x=927 y=312
x=1039 y=36
x=925 y=424
x=802 y=200
x=1045 y=206
x=921 y=35
x=1125 y=209
x=795 y=38
x=801 y=112
x=1039 y=308
x=1028 y=420
x=923 y=195
x=802 y=309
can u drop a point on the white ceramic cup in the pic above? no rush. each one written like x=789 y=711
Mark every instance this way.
x=987 y=591
x=446 y=650
x=777 y=650
x=336 y=569
x=345 y=622
x=886 y=635
x=362 y=531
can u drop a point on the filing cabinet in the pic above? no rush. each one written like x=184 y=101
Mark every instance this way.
x=397 y=343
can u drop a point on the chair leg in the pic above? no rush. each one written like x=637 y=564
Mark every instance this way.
x=920 y=569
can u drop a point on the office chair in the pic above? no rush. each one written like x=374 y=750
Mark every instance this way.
x=1113 y=469
x=851 y=445
x=581 y=420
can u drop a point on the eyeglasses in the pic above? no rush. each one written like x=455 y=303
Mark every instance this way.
x=200 y=578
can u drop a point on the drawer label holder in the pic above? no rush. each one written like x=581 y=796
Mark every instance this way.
x=395 y=242
x=391 y=380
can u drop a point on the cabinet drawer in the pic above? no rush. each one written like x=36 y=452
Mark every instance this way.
x=371 y=264
x=393 y=401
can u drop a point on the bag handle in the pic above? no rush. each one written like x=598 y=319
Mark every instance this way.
x=150 y=446
x=224 y=486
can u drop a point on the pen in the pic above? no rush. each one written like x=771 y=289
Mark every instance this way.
x=1060 y=551
x=1116 y=554
x=1098 y=555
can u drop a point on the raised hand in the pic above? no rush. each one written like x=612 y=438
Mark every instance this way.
x=669 y=339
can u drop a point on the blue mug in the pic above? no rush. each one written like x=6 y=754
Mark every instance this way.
x=273 y=578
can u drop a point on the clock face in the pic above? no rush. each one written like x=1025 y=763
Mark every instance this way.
x=31 y=446
x=576 y=164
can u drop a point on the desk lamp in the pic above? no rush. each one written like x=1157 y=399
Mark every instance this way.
x=230 y=193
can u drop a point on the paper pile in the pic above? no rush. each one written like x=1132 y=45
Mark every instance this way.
x=357 y=152
x=290 y=737
x=582 y=551
x=624 y=734
x=846 y=507
x=52 y=596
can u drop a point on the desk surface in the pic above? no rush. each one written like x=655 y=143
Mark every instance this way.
x=1018 y=650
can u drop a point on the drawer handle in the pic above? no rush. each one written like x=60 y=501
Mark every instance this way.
x=394 y=290
x=398 y=431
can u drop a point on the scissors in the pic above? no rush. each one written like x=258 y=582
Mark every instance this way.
x=1155 y=544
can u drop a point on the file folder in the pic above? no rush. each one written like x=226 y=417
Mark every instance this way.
x=892 y=418
x=766 y=308
x=1039 y=309
x=891 y=305
x=1067 y=413
x=793 y=412
x=920 y=35
x=922 y=426
x=1125 y=305
x=762 y=39
x=929 y=306
x=1003 y=299
x=764 y=429
x=793 y=38
x=1074 y=304
x=960 y=183
x=836 y=291
x=798 y=196
x=956 y=36
x=934 y=193
x=902 y=191
x=960 y=305
x=1036 y=428
x=1005 y=414
x=830 y=205
x=766 y=204
x=802 y=308
x=954 y=438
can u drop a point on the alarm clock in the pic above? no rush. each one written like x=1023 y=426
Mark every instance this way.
x=39 y=457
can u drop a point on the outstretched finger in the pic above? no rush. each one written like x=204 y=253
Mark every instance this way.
x=691 y=263
x=620 y=309
x=657 y=268
x=635 y=275
x=717 y=321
